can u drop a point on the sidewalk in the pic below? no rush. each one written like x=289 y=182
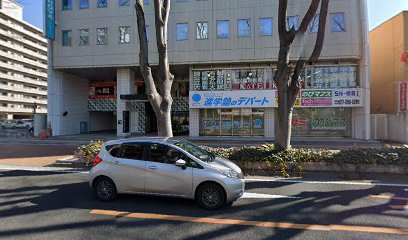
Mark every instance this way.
x=310 y=142
x=33 y=155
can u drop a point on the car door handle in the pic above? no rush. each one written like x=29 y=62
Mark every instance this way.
x=152 y=167
x=116 y=162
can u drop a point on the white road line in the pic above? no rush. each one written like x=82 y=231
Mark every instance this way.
x=264 y=196
x=327 y=182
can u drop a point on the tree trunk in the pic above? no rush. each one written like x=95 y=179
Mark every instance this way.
x=162 y=110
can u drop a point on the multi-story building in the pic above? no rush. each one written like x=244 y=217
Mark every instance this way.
x=223 y=54
x=23 y=64
x=389 y=78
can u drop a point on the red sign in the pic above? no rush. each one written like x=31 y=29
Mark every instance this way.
x=404 y=57
x=102 y=90
x=403 y=97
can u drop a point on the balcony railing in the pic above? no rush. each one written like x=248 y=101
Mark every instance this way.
x=23 y=80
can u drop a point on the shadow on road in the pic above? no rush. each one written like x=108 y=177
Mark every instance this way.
x=312 y=207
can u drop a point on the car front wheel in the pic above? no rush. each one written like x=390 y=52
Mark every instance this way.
x=211 y=196
x=104 y=189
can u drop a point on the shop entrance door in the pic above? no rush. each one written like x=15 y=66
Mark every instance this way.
x=226 y=122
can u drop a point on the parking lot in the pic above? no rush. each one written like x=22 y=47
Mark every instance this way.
x=15 y=133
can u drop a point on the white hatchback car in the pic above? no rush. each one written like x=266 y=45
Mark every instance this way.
x=166 y=167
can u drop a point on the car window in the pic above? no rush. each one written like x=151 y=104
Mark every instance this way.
x=164 y=154
x=133 y=151
x=114 y=150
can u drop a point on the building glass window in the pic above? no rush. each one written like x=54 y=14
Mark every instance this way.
x=146 y=2
x=321 y=122
x=202 y=30
x=124 y=2
x=338 y=22
x=330 y=77
x=222 y=29
x=265 y=26
x=314 y=25
x=102 y=36
x=244 y=27
x=124 y=34
x=66 y=4
x=243 y=79
x=83 y=37
x=83 y=4
x=67 y=38
x=102 y=3
x=292 y=21
x=232 y=122
x=182 y=31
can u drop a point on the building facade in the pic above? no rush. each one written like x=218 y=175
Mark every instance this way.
x=23 y=65
x=223 y=54
x=389 y=65
x=389 y=79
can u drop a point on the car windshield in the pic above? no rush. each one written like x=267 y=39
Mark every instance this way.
x=196 y=151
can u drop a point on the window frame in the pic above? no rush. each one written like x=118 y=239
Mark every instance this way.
x=217 y=33
x=89 y=33
x=260 y=32
x=239 y=22
x=332 y=15
x=80 y=6
x=63 y=41
x=287 y=22
x=124 y=5
x=177 y=31
x=312 y=25
x=65 y=8
x=99 y=6
x=106 y=36
x=202 y=22
x=120 y=37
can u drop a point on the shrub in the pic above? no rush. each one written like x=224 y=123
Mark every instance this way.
x=88 y=152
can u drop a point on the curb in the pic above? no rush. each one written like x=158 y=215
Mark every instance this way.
x=307 y=167
x=334 y=167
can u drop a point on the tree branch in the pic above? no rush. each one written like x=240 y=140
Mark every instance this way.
x=321 y=32
x=311 y=12
x=282 y=14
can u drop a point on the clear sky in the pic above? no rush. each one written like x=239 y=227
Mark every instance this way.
x=378 y=10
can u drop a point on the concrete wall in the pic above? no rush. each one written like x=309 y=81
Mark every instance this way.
x=393 y=127
x=387 y=42
x=345 y=45
x=67 y=93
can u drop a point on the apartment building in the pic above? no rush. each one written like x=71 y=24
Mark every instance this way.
x=223 y=54
x=23 y=64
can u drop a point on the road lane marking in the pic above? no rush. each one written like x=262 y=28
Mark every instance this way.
x=389 y=197
x=399 y=207
x=327 y=182
x=282 y=225
x=265 y=196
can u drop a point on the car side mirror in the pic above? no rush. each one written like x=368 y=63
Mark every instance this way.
x=181 y=163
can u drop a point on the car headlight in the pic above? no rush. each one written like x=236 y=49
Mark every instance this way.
x=230 y=174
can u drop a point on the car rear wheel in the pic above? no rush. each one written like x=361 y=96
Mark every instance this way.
x=211 y=196
x=104 y=189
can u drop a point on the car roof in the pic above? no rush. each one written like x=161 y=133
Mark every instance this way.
x=161 y=140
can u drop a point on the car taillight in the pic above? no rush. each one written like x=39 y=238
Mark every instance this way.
x=96 y=160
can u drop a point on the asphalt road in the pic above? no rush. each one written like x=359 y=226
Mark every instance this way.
x=47 y=205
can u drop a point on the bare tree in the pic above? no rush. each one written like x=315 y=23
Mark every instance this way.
x=287 y=77
x=160 y=96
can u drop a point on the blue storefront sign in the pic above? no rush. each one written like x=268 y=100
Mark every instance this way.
x=50 y=19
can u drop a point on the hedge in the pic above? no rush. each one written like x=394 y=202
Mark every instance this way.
x=282 y=161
